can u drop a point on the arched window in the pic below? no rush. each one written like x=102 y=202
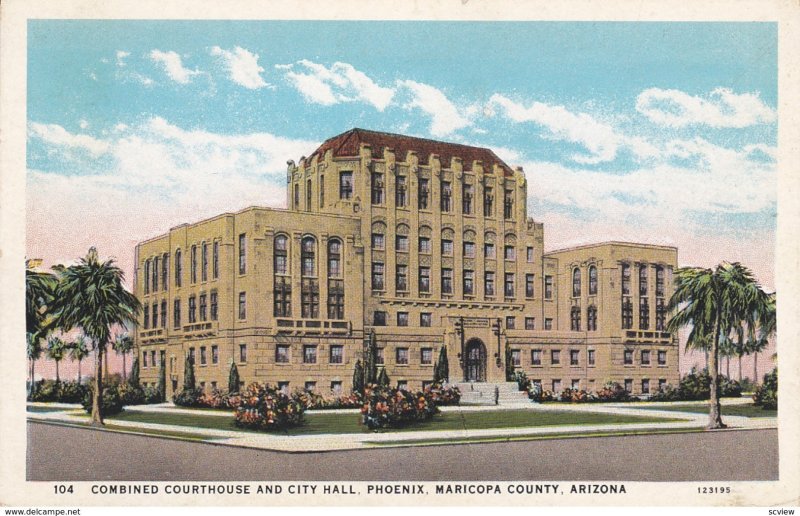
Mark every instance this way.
x=592 y=280
x=308 y=256
x=660 y=281
x=334 y=258
x=310 y=284
x=591 y=318
x=447 y=242
x=643 y=279
x=164 y=271
x=178 y=268
x=401 y=238
x=308 y=195
x=283 y=284
x=378 y=235
x=280 y=255
x=576 y=282
x=146 y=277
x=335 y=281
x=469 y=244
x=575 y=318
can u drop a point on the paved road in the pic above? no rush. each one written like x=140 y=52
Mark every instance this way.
x=58 y=453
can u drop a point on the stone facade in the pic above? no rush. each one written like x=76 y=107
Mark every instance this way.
x=427 y=244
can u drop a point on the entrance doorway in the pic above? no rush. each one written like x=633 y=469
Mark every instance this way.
x=475 y=363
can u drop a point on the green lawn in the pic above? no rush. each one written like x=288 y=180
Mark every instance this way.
x=746 y=410
x=349 y=423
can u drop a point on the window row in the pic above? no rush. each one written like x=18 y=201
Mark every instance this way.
x=575 y=384
x=378 y=243
x=576 y=281
x=537 y=356
x=446 y=281
x=644 y=357
x=643 y=279
x=575 y=318
x=644 y=314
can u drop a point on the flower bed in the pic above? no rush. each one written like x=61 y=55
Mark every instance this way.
x=262 y=407
x=393 y=408
x=443 y=396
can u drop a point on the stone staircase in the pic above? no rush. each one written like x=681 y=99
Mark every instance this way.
x=480 y=393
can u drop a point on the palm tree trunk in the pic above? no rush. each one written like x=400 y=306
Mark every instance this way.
x=105 y=357
x=715 y=410
x=124 y=369
x=33 y=377
x=755 y=368
x=728 y=366
x=97 y=416
x=740 y=367
x=58 y=380
x=79 y=372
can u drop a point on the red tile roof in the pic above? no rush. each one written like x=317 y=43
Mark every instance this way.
x=348 y=144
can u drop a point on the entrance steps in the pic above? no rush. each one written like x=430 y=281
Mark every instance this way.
x=481 y=393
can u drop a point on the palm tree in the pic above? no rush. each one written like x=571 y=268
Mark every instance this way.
x=39 y=288
x=34 y=354
x=56 y=349
x=123 y=344
x=714 y=302
x=90 y=296
x=78 y=350
x=756 y=346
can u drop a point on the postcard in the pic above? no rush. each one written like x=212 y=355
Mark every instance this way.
x=454 y=253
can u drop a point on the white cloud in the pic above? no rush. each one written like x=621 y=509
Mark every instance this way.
x=173 y=66
x=243 y=67
x=121 y=55
x=721 y=108
x=341 y=82
x=445 y=116
x=57 y=136
x=83 y=124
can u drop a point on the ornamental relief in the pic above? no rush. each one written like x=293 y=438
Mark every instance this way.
x=402 y=258
x=447 y=262
x=425 y=260
x=469 y=264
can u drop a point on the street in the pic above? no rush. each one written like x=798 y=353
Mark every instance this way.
x=60 y=453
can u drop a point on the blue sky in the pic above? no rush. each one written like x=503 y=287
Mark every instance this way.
x=661 y=132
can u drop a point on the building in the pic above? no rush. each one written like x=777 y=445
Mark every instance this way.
x=426 y=243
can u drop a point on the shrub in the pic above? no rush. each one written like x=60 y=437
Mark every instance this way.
x=45 y=390
x=314 y=401
x=696 y=386
x=766 y=395
x=130 y=394
x=152 y=395
x=58 y=392
x=188 y=398
x=393 y=408
x=265 y=408
x=110 y=401
x=443 y=396
x=71 y=392
x=216 y=399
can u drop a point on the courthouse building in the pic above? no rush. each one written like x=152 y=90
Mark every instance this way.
x=425 y=243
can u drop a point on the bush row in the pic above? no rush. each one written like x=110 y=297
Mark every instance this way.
x=766 y=395
x=393 y=408
x=611 y=392
x=261 y=407
x=696 y=386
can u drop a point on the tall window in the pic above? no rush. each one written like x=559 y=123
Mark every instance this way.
x=488 y=284
x=466 y=200
x=336 y=354
x=164 y=313
x=576 y=282
x=661 y=315
x=176 y=313
x=377 y=276
x=214 y=306
x=510 y=253
x=548 y=287
x=309 y=293
x=626 y=279
x=156 y=262
x=644 y=314
x=401 y=243
x=447 y=247
x=308 y=195
x=164 y=271
x=591 y=318
x=321 y=190
x=424 y=194
x=345 y=185
x=280 y=255
x=155 y=315
x=627 y=314
x=447 y=281
x=296 y=196
x=204 y=262
x=242 y=253
x=401 y=278
x=400 y=192
x=146 y=276
x=377 y=188
x=192 y=309
x=529 y=254
x=215 y=260
x=334 y=258
x=203 y=307
x=424 y=280
x=660 y=281
x=469 y=283
x=308 y=256
x=178 y=268
x=642 y=280
x=488 y=250
x=146 y=315
x=592 y=280
x=447 y=195
x=509 y=284
x=242 y=305
x=508 y=204
x=529 y=285
x=575 y=319
x=283 y=297
x=424 y=245
x=488 y=201
x=335 y=281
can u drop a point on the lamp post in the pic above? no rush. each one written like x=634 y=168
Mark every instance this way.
x=497 y=330
x=459 y=326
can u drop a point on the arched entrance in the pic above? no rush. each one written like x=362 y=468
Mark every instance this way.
x=475 y=362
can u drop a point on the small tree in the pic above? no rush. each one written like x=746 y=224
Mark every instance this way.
x=371 y=360
x=162 y=382
x=78 y=350
x=233 y=378
x=188 y=377
x=358 y=378
x=122 y=345
x=56 y=350
x=383 y=378
x=509 y=365
x=441 y=373
x=133 y=379
x=34 y=354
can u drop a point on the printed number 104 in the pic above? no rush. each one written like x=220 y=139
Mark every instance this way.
x=61 y=489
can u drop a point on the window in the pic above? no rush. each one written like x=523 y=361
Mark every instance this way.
x=447 y=281
x=401 y=243
x=242 y=305
x=575 y=385
x=296 y=196
x=661 y=315
x=147 y=276
x=309 y=298
x=176 y=313
x=469 y=249
x=308 y=258
x=280 y=255
x=214 y=306
x=466 y=199
x=424 y=280
x=155 y=315
x=644 y=314
x=164 y=271
x=423 y=194
x=379 y=318
x=488 y=201
x=548 y=287
x=191 y=355
x=591 y=318
x=447 y=194
x=402 y=385
x=164 y=313
x=401 y=278
x=555 y=356
x=529 y=254
x=447 y=248
x=345 y=185
x=402 y=356
x=425 y=319
x=575 y=319
x=662 y=357
x=156 y=262
x=488 y=251
x=627 y=314
x=628 y=385
x=242 y=254
x=642 y=279
x=426 y=356
x=283 y=297
x=536 y=357
x=627 y=357
x=469 y=283
x=377 y=241
x=379 y=356
x=203 y=307
x=213 y=386
x=204 y=262
x=215 y=260
x=309 y=354
x=508 y=205
x=509 y=284
x=282 y=354
x=321 y=190
x=400 y=192
x=178 y=268
x=509 y=253
x=283 y=387
x=335 y=299
x=424 y=245
x=530 y=323
x=516 y=359
x=310 y=386
x=529 y=291
x=591 y=356
x=144 y=359
x=662 y=384
x=576 y=282
x=336 y=354
x=192 y=309
x=146 y=321
x=488 y=284
x=402 y=318
x=574 y=355
x=377 y=188
x=377 y=276
x=626 y=279
x=511 y=322
x=215 y=354
x=592 y=280
x=334 y=258
x=645 y=386
x=308 y=195
x=203 y=358
x=556 y=386
x=660 y=281
x=336 y=387
x=193 y=264
x=645 y=357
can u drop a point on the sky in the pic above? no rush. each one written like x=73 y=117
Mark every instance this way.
x=664 y=133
